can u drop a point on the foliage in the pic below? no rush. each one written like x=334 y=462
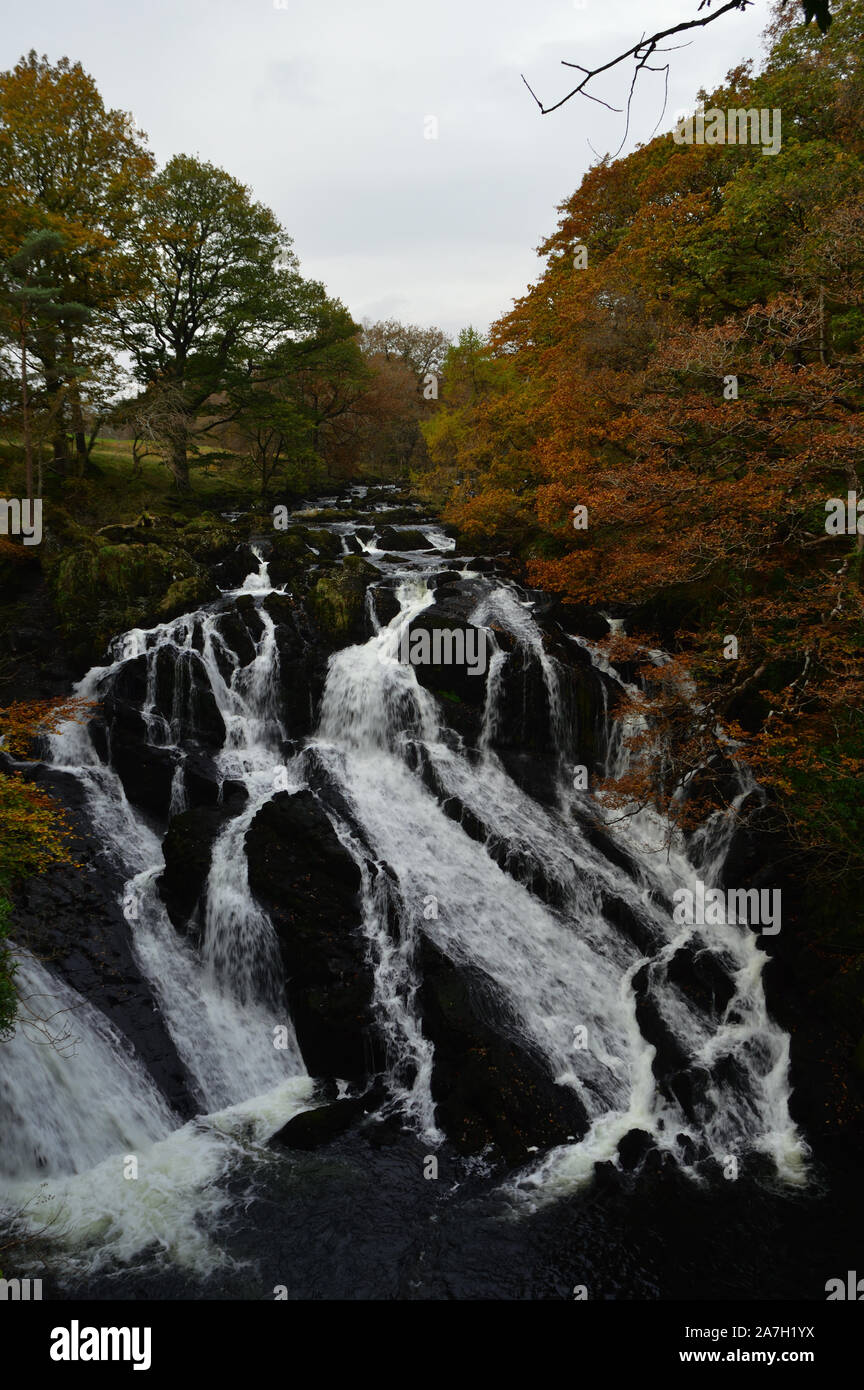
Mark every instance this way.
x=612 y=387
x=34 y=830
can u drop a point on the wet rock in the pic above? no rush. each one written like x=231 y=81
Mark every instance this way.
x=670 y=1056
x=312 y=1129
x=71 y=917
x=309 y=885
x=146 y=772
x=453 y=656
x=409 y=539
x=202 y=780
x=702 y=978
x=129 y=681
x=184 y=697
x=187 y=849
x=633 y=1148
x=337 y=602
x=488 y=1088
x=327 y=543
x=604 y=841
x=641 y=932
x=234 y=634
x=385 y=604
x=233 y=570
x=187 y=596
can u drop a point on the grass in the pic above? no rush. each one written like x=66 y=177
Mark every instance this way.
x=118 y=495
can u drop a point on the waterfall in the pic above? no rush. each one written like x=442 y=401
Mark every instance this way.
x=559 y=967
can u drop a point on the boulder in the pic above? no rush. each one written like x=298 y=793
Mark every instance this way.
x=633 y=1148
x=312 y=1129
x=408 y=539
x=184 y=697
x=309 y=885
x=187 y=849
x=453 y=657
x=337 y=602
x=487 y=1087
x=145 y=771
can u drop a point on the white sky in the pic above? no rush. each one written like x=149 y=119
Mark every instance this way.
x=320 y=107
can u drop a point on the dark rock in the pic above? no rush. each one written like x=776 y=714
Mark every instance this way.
x=338 y=601
x=312 y=1129
x=633 y=1148
x=385 y=604
x=391 y=539
x=233 y=795
x=145 y=771
x=309 y=885
x=701 y=978
x=670 y=1056
x=70 y=917
x=234 y=569
x=129 y=681
x=202 y=780
x=184 y=697
x=488 y=1088
x=187 y=849
x=448 y=638
x=234 y=635
x=639 y=929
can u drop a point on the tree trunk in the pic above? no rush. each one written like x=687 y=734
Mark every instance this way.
x=76 y=412
x=177 y=459
x=54 y=391
x=25 y=421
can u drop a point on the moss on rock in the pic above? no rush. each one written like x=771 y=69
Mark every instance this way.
x=337 y=600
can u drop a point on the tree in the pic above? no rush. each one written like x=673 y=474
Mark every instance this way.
x=30 y=309
x=673 y=419
x=421 y=349
x=225 y=290
x=69 y=166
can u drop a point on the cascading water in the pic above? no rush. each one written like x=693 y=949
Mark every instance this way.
x=562 y=972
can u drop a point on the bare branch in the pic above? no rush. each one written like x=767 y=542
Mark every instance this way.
x=642 y=51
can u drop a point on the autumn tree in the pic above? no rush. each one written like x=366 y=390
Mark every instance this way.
x=70 y=166
x=684 y=389
x=224 y=291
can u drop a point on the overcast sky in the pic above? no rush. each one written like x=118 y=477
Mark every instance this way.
x=321 y=107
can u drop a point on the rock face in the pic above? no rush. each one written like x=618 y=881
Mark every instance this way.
x=310 y=886
x=337 y=601
x=453 y=655
x=188 y=848
x=70 y=916
x=488 y=1088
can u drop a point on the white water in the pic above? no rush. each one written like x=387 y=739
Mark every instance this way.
x=554 y=970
